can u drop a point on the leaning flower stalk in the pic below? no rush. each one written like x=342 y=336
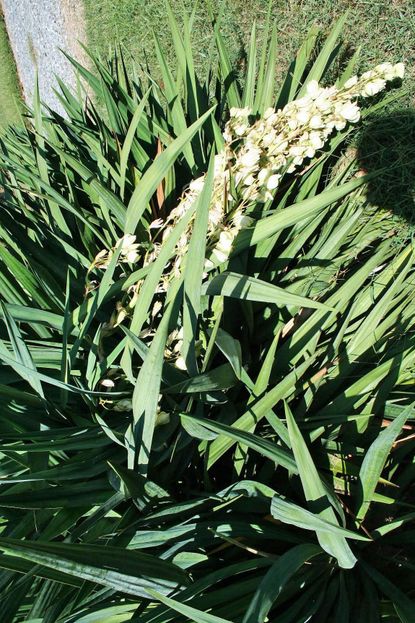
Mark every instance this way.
x=257 y=153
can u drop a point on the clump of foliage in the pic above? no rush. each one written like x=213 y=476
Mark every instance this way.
x=186 y=440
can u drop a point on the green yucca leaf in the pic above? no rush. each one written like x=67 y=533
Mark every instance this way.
x=55 y=212
x=108 y=198
x=21 y=351
x=258 y=410
x=275 y=580
x=128 y=142
x=231 y=348
x=272 y=451
x=268 y=85
x=316 y=496
x=291 y=513
x=375 y=460
x=112 y=614
x=251 y=289
x=177 y=112
x=350 y=68
x=13 y=563
x=23 y=370
x=193 y=271
x=126 y=571
x=57 y=497
x=152 y=280
x=228 y=77
x=249 y=87
x=403 y=605
x=263 y=61
x=146 y=392
x=327 y=54
x=219 y=378
x=389 y=527
x=297 y=69
x=266 y=227
x=196 y=615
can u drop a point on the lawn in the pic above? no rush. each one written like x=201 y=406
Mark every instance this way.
x=10 y=103
x=384 y=31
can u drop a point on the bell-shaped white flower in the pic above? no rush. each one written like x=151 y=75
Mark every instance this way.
x=316 y=140
x=316 y=122
x=350 y=112
x=351 y=82
x=373 y=87
x=241 y=220
x=225 y=241
x=250 y=157
x=197 y=184
x=313 y=88
x=303 y=116
x=273 y=181
x=398 y=71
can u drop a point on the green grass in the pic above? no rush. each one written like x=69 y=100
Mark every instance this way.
x=383 y=29
x=10 y=101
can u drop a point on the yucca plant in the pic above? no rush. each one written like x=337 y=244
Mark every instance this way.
x=207 y=369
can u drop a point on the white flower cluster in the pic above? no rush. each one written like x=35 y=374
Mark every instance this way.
x=256 y=155
x=281 y=140
x=374 y=81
